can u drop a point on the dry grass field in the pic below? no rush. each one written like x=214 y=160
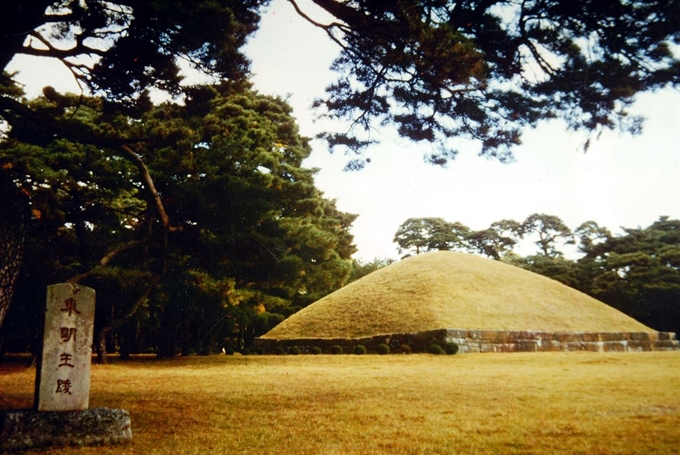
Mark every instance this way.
x=538 y=403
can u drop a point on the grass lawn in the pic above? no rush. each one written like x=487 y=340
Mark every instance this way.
x=522 y=403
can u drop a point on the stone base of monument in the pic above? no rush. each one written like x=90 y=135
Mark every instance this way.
x=24 y=429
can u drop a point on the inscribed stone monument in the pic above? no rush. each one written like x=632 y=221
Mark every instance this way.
x=61 y=416
x=64 y=374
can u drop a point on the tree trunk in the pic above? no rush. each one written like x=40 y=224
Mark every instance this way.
x=102 y=356
x=167 y=347
x=105 y=331
x=13 y=223
x=186 y=338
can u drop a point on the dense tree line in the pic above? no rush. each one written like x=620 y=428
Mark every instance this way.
x=438 y=71
x=637 y=271
x=245 y=240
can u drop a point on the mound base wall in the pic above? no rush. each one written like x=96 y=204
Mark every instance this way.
x=535 y=341
x=490 y=341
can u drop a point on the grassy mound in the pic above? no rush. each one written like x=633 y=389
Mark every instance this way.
x=452 y=290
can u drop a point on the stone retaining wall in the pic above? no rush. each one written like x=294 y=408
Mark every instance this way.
x=491 y=341
x=533 y=341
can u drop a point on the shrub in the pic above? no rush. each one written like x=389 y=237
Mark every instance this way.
x=336 y=349
x=294 y=350
x=435 y=349
x=383 y=349
x=229 y=351
x=405 y=348
x=279 y=350
x=451 y=348
x=246 y=351
x=315 y=350
x=359 y=349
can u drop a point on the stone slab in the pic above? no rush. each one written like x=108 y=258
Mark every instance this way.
x=64 y=369
x=24 y=429
x=666 y=345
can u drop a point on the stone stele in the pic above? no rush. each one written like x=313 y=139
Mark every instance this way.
x=64 y=376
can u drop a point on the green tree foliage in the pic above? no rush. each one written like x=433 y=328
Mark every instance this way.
x=548 y=230
x=497 y=240
x=592 y=239
x=362 y=268
x=120 y=50
x=640 y=274
x=420 y=235
x=134 y=44
x=438 y=70
x=232 y=230
x=483 y=70
x=556 y=267
x=411 y=235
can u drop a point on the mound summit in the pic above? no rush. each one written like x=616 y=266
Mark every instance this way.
x=464 y=293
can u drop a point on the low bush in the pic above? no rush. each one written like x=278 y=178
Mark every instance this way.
x=435 y=349
x=359 y=349
x=405 y=348
x=315 y=350
x=451 y=348
x=294 y=350
x=279 y=350
x=336 y=349
x=383 y=349
x=229 y=351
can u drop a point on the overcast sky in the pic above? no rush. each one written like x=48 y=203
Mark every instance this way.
x=621 y=181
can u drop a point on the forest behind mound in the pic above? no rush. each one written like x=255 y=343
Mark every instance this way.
x=636 y=272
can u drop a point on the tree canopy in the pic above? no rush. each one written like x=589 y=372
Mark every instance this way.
x=439 y=70
x=118 y=50
x=484 y=70
x=123 y=48
x=419 y=235
x=187 y=215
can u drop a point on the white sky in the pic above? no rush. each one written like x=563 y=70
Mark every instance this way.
x=621 y=181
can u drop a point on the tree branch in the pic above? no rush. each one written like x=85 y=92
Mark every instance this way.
x=148 y=182
x=328 y=28
x=10 y=105
x=103 y=262
x=51 y=51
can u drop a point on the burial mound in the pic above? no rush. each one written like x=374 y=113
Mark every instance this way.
x=450 y=290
